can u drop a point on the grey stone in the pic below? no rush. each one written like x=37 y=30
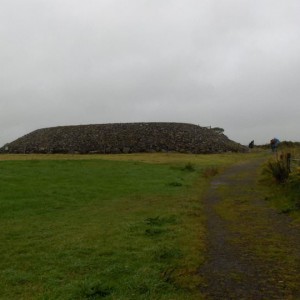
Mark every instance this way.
x=124 y=138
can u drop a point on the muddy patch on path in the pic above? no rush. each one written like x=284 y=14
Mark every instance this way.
x=252 y=252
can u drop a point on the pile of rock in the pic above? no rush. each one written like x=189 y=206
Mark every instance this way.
x=124 y=138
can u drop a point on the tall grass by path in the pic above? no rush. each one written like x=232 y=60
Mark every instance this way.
x=281 y=182
x=87 y=228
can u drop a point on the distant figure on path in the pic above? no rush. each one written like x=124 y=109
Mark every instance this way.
x=251 y=145
x=274 y=144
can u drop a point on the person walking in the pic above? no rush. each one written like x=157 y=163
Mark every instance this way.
x=251 y=145
x=274 y=144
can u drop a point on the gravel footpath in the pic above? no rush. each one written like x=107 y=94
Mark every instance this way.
x=234 y=268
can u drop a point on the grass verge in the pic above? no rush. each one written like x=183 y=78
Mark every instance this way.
x=92 y=229
x=261 y=232
x=113 y=227
x=281 y=185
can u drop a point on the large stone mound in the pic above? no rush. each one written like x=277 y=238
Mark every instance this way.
x=124 y=138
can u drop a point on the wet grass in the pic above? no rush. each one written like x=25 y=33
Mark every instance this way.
x=113 y=227
x=89 y=229
x=283 y=195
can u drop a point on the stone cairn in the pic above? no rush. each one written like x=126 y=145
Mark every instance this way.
x=124 y=138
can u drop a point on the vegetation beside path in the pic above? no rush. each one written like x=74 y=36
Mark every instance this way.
x=113 y=226
x=110 y=226
x=281 y=179
x=260 y=253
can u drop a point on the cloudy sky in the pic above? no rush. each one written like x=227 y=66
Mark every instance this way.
x=233 y=64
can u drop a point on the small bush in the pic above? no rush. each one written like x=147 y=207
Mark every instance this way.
x=284 y=187
x=279 y=170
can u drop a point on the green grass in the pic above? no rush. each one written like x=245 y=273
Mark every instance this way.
x=113 y=227
x=92 y=229
x=282 y=188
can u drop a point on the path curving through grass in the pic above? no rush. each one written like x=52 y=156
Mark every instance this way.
x=253 y=252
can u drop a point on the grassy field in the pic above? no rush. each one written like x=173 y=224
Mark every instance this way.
x=113 y=227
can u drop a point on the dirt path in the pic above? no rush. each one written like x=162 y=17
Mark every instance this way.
x=253 y=252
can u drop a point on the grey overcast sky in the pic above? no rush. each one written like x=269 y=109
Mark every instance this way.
x=233 y=64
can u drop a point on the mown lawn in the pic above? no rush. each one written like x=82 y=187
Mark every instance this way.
x=113 y=227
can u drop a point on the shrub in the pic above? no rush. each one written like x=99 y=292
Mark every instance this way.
x=285 y=187
x=279 y=170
